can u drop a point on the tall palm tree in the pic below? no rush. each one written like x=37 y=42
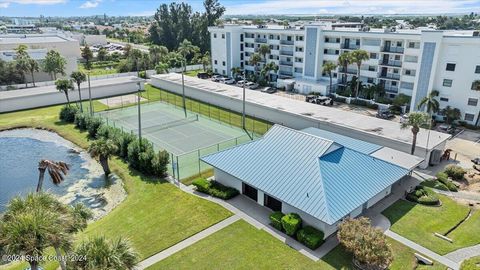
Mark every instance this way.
x=358 y=56
x=103 y=149
x=87 y=55
x=414 y=121
x=328 y=68
x=451 y=114
x=236 y=71
x=344 y=60
x=54 y=63
x=263 y=50
x=157 y=53
x=103 y=254
x=162 y=67
x=430 y=102
x=205 y=60
x=78 y=77
x=254 y=60
x=267 y=68
x=33 y=67
x=185 y=49
x=64 y=85
x=56 y=169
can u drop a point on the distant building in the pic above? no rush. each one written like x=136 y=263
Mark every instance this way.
x=38 y=46
x=410 y=62
x=22 y=29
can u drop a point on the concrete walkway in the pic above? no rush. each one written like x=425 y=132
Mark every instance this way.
x=432 y=255
x=462 y=254
x=187 y=242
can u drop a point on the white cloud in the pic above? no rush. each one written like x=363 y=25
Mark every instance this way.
x=355 y=6
x=6 y=3
x=90 y=4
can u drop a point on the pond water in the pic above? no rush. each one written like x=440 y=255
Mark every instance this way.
x=22 y=149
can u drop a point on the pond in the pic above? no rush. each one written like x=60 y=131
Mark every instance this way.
x=22 y=149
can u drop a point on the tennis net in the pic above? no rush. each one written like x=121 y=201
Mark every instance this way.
x=170 y=124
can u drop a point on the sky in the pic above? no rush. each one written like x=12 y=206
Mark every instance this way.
x=35 y=8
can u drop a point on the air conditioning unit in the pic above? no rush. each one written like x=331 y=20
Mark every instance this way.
x=476 y=33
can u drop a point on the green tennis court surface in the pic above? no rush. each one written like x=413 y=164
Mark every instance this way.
x=186 y=138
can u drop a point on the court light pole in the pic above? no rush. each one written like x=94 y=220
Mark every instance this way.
x=90 y=94
x=139 y=116
x=243 y=109
x=183 y=90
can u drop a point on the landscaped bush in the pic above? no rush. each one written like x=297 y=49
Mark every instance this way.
x=81 y=120
x=276 y=219
x=310 y=237
x=160 y=163
x=67 y=113
x=215 y=189
x=291 y=223
x=455 y=172
x=93 y=124
x=108 y=132
x=122 y=141
x=145 y=160
x=423 y=195
x=434 y=183
x=135 y=155
x=443 y=178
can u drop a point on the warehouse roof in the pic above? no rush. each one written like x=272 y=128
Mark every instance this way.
x=317 y=175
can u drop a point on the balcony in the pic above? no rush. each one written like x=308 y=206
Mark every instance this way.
x=391 y=89
x=350 y=46
x=284 y=73
x=391 y=63
x=393 y=49
x=349 y=70
x=390 y=76
x=286 y=63
x=286 y=42
x=261 y=40
x=290 y=53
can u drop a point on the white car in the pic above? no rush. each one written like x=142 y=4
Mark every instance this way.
x=229 y=81
x=241 y=82
x=217 y=78
x=404 y=118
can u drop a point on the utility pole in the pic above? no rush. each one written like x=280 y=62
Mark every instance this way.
x=139 y=117
x=90 y=93
x=243 y=110
x=183 y=90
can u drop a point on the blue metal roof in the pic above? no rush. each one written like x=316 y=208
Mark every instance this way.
x=319 y=176
x=358 y=145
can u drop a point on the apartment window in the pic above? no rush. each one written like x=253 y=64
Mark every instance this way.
x=411 y=45
x=397 y=57
x=223 y=72
x=472 y=102
x=337 y=52
x=299 y=38
x=223 y=36
x=214 y=35
x=241 y=37
x=394 y=83
x=325 y=51
x=444 y=99
x=215 y=61
x=299 y=59
x=450 y=67
x=216 y=71
x=395 y=71
x=399 y=44
x=447 y=82
x=370 y=80
x=299 y=49
x=241 y=47
x=410 y=72
x=223 y=63
x=337 y=40
x=372 y=68
x=327 y=40
x=241 y=56
x=477 y=69
x=411 y=58
x=469 y=117
x=373 y=56
x=241 y=64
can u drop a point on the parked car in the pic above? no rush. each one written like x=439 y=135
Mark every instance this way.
x=203 y=75
x=476 y=161
x=404 y=118
x=325 y=101
x=229 y=81
x=447 y=128
x=311 y=98
x=269 y=90
x=241 y=83
x=217 y=78
x=253 y=86
x=385 y=114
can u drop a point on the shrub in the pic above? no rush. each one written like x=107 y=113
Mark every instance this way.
x=443 y=178
x=81 y=120
x=434 y=183
x=122 y=141
x=145 y=160
x=160 y=163
x=93 y=124
x=108 y=132
x=276 y=219
x=67 y=114
x=291 y=223
x=134 y=154
x=423 y=195
x=215 y=189
x=310 y=237
x=455 y=172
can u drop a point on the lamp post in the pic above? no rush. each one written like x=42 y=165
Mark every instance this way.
x=139 y=116
x=183 y=90
x=243 y=109
x=89 y=93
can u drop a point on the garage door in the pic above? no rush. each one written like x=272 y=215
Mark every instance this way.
x=250 y=192
x=272 y=203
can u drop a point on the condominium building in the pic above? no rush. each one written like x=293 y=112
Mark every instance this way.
x=412 y=62
x=38 y=46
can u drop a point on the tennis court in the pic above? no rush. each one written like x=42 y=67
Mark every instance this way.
x=185 y=138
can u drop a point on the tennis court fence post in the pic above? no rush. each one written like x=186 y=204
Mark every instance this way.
x=178 y=170
x=199 y=168
x=173 y=164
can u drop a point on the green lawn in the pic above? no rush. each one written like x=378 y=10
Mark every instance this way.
x=155 y=214
x=419 y=223
x=98 y=71
x=193 y=73
x=241 y=246
x=471 y=264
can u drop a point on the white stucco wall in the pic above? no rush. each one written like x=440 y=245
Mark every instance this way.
x=227 y=180
x=309 y=220
x=382 y=194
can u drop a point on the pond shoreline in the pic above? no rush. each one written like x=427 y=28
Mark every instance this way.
x=102 y=197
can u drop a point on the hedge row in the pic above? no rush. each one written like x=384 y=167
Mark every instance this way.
x=423 y=195
x=140 y=156
x=215 y=189
x=443 y=178
x=291 y=224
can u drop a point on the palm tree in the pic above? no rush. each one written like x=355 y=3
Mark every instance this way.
x=185 y=49
x=236 y=71
x=87 y=55
x=64 y=85
x=161 y=68
x=267 y=68
x=103 y=149
x=344 y=60
x=264 y=49
x=103 y=254
x=430 y=102
x=157 y=53
x=205 y=60
x=33 y=67
x=414 y=121
x=328 y=68
x=78 y=77
x=254 y=60
x=451 y=114
x=22 y=61
x=54 y=63
x=56 y=169
x=358 y=56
